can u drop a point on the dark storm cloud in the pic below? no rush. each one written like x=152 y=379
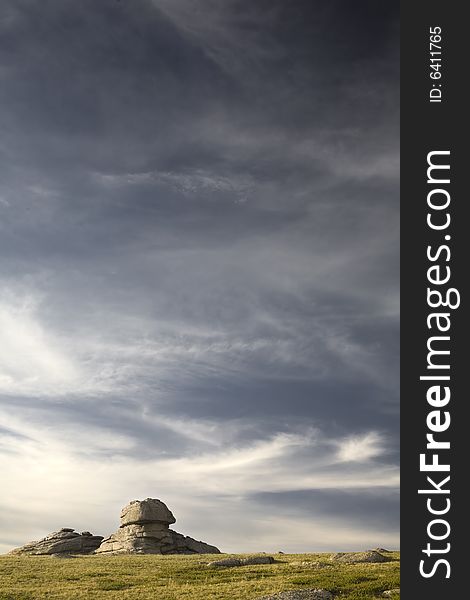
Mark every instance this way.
x=199 y=226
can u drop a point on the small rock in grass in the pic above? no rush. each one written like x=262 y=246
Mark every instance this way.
x=225 y=562
x=242 y=562
x=309 y=594
x=391 y=593
x=371 y=556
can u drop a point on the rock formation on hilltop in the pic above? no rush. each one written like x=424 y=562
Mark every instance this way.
x=145 y=529
x=64 y=541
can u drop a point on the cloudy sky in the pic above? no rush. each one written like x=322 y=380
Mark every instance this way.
x=199 y=268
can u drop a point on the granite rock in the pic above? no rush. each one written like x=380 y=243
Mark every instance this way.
x=242 y=562
x=62 y=542
x=145 y=530
x=139 y=512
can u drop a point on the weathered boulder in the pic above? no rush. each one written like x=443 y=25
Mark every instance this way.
x=65 y=541
x=146 y=511
x=371 y=556
x=308 y=594
x=145 y=530
x=242 y=562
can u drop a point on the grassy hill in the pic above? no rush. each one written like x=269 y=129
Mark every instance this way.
x=145 y=577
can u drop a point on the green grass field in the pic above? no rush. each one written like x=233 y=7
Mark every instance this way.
x=145 y=577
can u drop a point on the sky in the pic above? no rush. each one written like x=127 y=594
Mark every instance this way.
x=199 y=269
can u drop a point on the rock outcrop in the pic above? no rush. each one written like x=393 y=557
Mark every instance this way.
x=145 y=529
x=63 y=542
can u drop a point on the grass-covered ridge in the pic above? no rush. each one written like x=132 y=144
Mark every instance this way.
x=176 y=577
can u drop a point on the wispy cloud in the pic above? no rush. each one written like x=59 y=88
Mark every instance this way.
x=32 y=361
x=234 y=40
x=360 y=448
x=188 y=183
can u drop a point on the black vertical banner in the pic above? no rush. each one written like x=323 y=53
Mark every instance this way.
x=434 y=253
